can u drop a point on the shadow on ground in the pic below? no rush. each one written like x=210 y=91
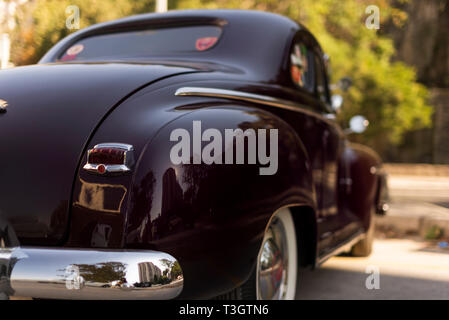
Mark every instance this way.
x=331 y=283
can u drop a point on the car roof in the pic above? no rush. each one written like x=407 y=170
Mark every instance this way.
x=253 y=41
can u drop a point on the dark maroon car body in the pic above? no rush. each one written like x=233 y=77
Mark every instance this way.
x=210 y=217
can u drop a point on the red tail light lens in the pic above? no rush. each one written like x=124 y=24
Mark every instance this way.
x=106 y=156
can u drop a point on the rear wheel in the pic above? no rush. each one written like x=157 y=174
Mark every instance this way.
x=275 y=274
x=364 y=247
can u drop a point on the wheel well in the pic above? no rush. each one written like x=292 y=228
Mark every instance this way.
x=306 y=235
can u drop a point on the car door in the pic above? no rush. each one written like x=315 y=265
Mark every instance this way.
x=335 y=222
x=312 y=127
x=322 y=137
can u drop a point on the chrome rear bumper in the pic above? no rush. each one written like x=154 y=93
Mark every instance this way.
x=51 y=273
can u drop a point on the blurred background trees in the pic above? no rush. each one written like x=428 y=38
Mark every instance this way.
x=386 y=90
x=42 y=23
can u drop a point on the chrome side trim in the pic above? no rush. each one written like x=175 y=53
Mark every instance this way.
x=237 y=95
x=256 y=98
x=89 y=274
x=115 y=168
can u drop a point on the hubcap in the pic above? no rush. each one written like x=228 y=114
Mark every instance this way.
x=272 y=264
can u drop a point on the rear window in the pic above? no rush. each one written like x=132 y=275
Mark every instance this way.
x=144 y=43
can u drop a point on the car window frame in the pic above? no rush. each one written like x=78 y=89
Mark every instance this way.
x=300 y=38
x=308 y=39
x=318 y=56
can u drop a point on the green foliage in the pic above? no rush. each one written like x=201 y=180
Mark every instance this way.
x=384 y=91
x=434 y=232
x=176 y=270
x=43 y=23
x=103 y=272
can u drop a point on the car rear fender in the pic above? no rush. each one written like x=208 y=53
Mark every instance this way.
x=212 y=217
x=364 y=167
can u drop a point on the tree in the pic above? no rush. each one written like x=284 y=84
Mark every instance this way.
x=176 y=270
x=103 y=272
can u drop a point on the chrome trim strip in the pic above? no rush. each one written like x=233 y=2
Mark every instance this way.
x=116 y=168
x=255 y=98
x=237 y=95
x=89 y=274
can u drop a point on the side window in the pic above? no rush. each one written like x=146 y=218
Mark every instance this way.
x=321 y=85
x=302 y=67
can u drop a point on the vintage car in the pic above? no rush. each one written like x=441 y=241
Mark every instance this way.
x=190 y=154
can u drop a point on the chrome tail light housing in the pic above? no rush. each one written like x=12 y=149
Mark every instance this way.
x=110 y=158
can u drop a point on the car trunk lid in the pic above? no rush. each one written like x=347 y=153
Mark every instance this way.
x=51 y=111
